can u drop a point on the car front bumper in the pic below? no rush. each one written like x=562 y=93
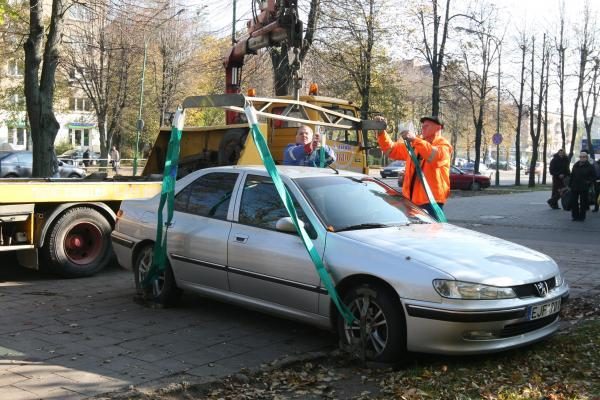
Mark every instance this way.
x=454 y=330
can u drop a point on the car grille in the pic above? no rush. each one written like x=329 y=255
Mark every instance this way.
x=529 y=326
x=529 y=290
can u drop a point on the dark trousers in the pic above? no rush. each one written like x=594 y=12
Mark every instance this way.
x=429 y=209
x=557 y=184
x=579 y=204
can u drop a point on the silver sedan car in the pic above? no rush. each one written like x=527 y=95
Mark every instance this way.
x=417 y=285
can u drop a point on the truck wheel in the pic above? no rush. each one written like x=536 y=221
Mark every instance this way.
x=78 y=243
x=231 y=146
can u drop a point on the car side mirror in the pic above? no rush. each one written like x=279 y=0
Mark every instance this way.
x=286 y=224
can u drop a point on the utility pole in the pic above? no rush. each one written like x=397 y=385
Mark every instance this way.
x=498 y=120
x=233 y=24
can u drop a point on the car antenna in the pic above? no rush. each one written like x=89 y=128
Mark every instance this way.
x=333 y=168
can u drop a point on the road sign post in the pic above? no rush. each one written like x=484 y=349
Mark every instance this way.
x=497 y=139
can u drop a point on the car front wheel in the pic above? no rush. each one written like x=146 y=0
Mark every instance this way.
x=163 y=290
x=475 y=186
x=384 y=326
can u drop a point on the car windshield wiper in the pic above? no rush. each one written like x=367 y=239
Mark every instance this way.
x=371 y=225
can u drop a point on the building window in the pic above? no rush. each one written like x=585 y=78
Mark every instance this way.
x=14 y=67
x=17 y=136
x=80 y=104
x=17 y=100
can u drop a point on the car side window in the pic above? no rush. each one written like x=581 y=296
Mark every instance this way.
x=207 y=196
x=26 y=158
x=262 y=207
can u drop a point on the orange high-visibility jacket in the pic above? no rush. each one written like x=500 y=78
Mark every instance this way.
x=435 y=164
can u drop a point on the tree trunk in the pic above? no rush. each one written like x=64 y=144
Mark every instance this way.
x=39 y=92
x=520 y=117
x=282 y=71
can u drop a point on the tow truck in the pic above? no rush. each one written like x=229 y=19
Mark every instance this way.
x=63 y=226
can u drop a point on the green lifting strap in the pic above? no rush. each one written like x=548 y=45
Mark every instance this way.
x=265 y=155
x=167 y=196
x=439 y=214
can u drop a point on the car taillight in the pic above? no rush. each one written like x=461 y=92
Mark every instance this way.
x=119 y=214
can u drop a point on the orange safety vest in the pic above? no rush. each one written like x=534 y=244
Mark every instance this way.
x=435 y=164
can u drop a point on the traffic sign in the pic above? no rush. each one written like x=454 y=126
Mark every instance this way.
x=497 y=138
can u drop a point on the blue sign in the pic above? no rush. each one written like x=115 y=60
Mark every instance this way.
x=497 y=138
x=595 y=145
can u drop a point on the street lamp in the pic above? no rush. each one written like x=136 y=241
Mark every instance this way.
x=140 y=122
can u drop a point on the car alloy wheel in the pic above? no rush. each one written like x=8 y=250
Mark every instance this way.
x=163 y=289
x=384 y=331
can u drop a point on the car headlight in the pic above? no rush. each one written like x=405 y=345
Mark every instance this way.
x=558 y=280
x=471 y=291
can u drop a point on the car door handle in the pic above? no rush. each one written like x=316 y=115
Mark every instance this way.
x=241 y=238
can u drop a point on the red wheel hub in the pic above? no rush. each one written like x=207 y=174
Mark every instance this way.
x=83 y=243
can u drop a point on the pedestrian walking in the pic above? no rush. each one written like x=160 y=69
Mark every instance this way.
x=86 y=158
x=115 y=159
x=559 y=169
x=582 y=177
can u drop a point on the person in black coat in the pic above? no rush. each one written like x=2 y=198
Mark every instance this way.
x=582 y=176
x=559 y=169
x=597 y=186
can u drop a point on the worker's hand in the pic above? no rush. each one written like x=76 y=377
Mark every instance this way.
x=316 y=144
x=381 y=119
x=408 y=136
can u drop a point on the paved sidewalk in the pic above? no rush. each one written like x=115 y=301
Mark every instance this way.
x=73 y=339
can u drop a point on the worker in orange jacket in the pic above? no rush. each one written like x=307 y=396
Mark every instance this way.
x=434 y=154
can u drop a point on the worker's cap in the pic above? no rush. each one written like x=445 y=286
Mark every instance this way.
x=435 y=119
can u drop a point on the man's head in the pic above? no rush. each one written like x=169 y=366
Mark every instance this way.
x=304 y=135
x=583 y=156
x=561 y=152
x=431 y=126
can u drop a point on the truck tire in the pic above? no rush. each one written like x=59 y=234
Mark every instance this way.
x=231 y=146
x=78 y=243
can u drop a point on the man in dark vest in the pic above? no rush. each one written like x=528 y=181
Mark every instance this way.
x=559 y=169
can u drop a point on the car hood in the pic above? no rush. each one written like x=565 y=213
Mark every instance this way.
x=466 y=255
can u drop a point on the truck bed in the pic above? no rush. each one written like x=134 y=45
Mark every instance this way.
x=56 y=190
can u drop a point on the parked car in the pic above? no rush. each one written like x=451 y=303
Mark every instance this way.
x=76 y=157
x=538 y=169
x=502 y=165
x=418 y=285
x=392 y=169
x=19 y=164
x=460 y=179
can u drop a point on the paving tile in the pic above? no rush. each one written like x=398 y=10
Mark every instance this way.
x=10 y=378
x=14 y=393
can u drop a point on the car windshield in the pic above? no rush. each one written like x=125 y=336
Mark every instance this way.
x=396 y=164
x=347 y=203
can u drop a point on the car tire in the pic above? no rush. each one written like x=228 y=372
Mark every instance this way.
x=164 y=290
x=387 y=341
x=475 y=186
x=231 y=146
x=74 y=175
x=78 y=243
x=11 y=176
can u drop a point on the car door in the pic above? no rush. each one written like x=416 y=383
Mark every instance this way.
x=265 y=263
x=24 y=164
x=197 y=239
x=458 y=180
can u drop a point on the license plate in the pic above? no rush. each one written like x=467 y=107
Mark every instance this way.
x=543 y=310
